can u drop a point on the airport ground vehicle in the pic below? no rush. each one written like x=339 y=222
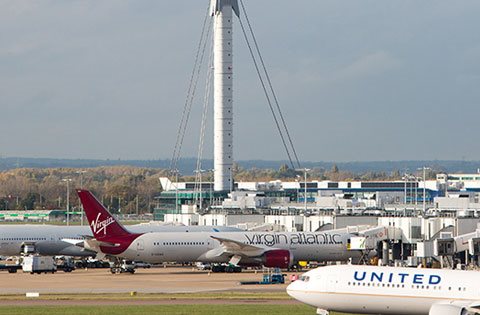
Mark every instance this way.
x=66 y=264
x=274 y=277
x=92 y=263
x=141 y=264
x=11 y=268
x=203 y=266
x=10 y=264
x=39 y=264
x=123 y=266
x=228 y=268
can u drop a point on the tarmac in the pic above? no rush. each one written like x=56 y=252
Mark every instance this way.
x=153 y=280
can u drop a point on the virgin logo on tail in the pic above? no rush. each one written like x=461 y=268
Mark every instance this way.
x=99 y=226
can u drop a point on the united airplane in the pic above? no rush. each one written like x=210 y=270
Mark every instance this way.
x=388 y=290
x=238 y=248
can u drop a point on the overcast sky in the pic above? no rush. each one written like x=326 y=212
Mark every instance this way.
x=357 y=80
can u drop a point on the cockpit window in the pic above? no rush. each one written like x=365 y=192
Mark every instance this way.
x=304 y=278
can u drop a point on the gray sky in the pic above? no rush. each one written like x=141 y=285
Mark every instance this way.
x=357 y=80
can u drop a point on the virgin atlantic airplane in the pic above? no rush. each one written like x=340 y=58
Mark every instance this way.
x=239 y=248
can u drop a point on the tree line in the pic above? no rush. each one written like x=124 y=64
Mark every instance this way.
x=129 y=189
x=121 y=188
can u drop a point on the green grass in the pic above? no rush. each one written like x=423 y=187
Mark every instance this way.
x=160 y=309
x=232 y=295
x=84 y=308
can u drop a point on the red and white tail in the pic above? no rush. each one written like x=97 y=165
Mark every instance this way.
x=103 y=225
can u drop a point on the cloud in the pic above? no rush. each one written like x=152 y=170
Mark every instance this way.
x=13 y=8
x=128 y=62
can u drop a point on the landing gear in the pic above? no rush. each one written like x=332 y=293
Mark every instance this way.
x=322 y=312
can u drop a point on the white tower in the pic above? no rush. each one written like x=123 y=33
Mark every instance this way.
x=222 y=12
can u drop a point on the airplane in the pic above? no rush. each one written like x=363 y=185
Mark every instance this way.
x=388 y=290
x=269 y=249
x=53 y=240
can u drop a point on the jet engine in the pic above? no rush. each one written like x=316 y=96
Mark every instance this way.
x=447 y=309
x=280 y=258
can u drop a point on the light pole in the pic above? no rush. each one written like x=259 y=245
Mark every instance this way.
x=416 y=192
x=410 y=181
x=81 y=177
x=176 y=190
x=305 y=170
x=211 y=184
x=424 y=169
x=199 y=172
x=81 y=187
x=231 y=180
x=298 y=186
x=68 y=180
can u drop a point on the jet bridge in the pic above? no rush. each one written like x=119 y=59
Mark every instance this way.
x=447 y=246
x=375 y=235
x=469 y=241
x=385 y=242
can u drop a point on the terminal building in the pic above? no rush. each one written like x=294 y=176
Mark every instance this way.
x=423 y=208
x=429 y=214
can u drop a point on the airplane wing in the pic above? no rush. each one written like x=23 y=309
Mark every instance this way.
x=237 y=251
x=72 y=241
x=236 y=248
x=475 y=305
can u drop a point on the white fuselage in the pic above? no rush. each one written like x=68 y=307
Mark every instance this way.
x=53 y=240
x=192 y=247
x=385 y=290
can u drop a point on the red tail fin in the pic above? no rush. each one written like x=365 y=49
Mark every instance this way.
x=104 y=226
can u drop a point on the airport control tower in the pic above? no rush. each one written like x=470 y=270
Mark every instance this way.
x=222 y=12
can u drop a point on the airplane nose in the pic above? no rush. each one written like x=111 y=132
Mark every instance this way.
x=295 y=288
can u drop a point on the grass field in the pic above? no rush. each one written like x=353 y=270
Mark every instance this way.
x=161 y=309
x=231 y=295
x=86 y=304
